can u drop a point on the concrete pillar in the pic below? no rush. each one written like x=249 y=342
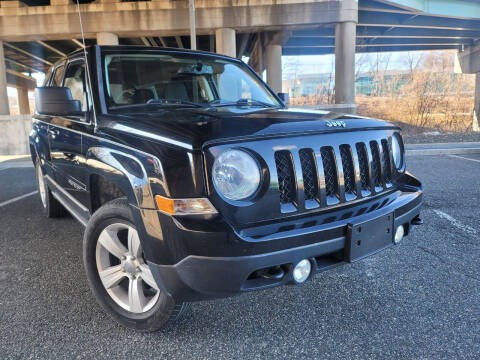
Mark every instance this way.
x=23 y=103
x=476 y=104
x=106 y=38
x=274 y=67
x=225 y=42
x=4 y=109
x=345 y=36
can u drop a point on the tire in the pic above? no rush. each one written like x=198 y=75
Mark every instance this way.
x=110 y=233
x=51 y=207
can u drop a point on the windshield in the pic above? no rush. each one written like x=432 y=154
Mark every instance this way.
x=187 y=79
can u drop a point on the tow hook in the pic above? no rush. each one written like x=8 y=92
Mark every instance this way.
x=273 y=273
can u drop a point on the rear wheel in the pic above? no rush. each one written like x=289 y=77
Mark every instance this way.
x=118 y=274
x=51 y=207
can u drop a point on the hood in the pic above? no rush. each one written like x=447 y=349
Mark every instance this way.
x=194 y=128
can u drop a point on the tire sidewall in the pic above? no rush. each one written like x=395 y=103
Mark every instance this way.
x=117 y=211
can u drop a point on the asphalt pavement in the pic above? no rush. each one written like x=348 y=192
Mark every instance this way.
x=417 y=300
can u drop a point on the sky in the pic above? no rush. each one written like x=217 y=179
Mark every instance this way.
x=314 y=64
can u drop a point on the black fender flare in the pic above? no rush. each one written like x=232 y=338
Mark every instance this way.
x=132 y=172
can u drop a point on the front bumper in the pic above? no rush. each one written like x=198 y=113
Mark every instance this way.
x=198 y=277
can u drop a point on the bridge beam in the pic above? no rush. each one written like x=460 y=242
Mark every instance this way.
x=167 y=18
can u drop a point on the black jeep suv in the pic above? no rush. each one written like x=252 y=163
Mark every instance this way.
x=195 y=181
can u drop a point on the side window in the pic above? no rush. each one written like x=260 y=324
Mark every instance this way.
x=75 y=80
x=48 y=76
x=58 y=76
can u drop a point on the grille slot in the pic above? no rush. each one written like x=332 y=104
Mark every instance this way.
x=285 y=173
x=387 y=166
x=330 y=171
x=376 y=165
x=348 y=169
x=309 y=172
x=363 y=165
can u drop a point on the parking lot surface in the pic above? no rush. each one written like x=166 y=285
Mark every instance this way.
x=417 y=300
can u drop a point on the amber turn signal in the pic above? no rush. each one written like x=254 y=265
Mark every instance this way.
x=184 y=206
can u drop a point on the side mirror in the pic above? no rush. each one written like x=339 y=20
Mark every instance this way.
x=56 y=101
x=284 y=98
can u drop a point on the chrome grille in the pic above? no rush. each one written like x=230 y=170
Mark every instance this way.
x=333 y=174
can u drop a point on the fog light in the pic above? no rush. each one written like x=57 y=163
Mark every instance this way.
x=399 y=234
x=302 y=270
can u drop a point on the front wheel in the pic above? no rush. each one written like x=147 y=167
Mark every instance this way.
x=118 y=274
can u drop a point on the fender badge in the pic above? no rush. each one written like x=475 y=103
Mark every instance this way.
x=335 y=123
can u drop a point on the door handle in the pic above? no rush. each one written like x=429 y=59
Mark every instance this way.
x=53 y=132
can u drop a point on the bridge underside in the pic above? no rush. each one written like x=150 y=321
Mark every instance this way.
x=35 y=37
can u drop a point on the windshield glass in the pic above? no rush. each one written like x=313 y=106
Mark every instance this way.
x=134 y=79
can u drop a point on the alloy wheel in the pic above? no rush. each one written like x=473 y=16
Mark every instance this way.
x=123 y=271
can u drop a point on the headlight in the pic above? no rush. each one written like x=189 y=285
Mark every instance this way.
x=396 y=151
x=236 y=174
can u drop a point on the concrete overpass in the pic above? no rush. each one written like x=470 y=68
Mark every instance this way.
x=35 y=33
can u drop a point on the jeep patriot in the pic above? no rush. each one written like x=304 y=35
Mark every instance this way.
x=195 y=181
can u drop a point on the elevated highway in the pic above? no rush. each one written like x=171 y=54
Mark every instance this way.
x=35 y=33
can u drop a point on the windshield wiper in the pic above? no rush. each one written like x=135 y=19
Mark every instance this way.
x=175 y=102
x=242 y=102
x=160 y=102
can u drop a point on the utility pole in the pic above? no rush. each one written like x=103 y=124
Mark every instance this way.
x=193 y=32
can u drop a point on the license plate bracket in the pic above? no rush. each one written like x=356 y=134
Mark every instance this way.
x=368 y=237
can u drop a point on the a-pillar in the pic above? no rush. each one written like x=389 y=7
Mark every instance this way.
x=274 y=67
x=4 y=109
x=345 y=36
x=23 y=103
x=225 y=42
x=476 y=104
x=106 y=38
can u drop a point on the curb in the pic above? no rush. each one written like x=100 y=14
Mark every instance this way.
x=445 y=151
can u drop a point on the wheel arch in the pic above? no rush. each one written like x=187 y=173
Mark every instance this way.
x=103 y=190
x=120 y=172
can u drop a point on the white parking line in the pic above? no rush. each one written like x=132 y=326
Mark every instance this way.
x=464 y=158
x=15 y=165
x=459 y=225
x=18 y=198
